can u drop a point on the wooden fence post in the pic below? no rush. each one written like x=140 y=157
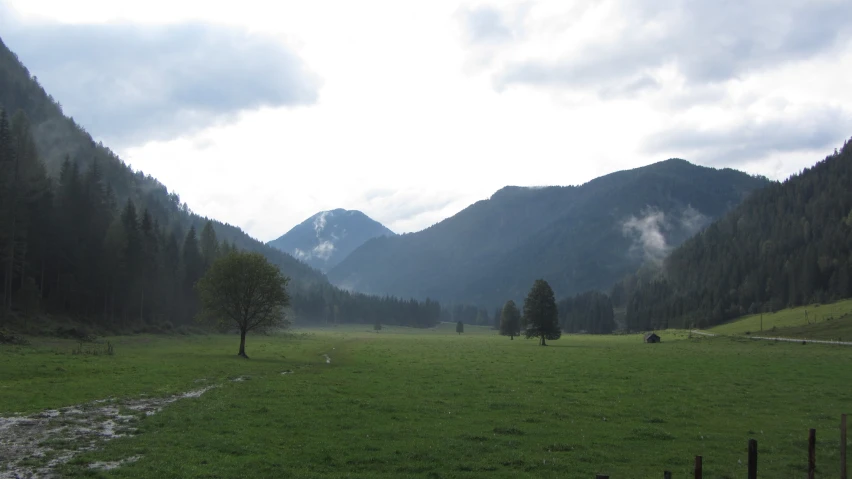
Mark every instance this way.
x=811 y=453
x=698 y=467
x=843 y=447
x=752 y=459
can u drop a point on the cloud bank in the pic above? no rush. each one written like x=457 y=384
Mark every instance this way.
x=703 y=41
x=131 y=83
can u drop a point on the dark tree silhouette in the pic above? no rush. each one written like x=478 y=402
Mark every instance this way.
x=510 y=320
x=540 y=313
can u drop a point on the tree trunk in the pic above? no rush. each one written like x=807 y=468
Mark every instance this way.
x=511 y=337
x=542 y=342
x=242 y=352
x=41 y=288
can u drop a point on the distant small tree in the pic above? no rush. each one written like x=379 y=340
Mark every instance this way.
x=540 y=313
x=510 y=320
x=459 y=327
x=378 y=326
x=246 y=289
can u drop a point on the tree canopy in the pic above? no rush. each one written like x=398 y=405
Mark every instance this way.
x=540 y=313
x=246 y=290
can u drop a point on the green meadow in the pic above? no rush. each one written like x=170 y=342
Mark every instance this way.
x=435 y=404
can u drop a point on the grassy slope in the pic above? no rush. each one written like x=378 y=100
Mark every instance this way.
x=827 y=321
x=404 y=403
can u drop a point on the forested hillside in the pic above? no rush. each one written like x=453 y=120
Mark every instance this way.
x=578 y=238
x=83 y=235
x=789 y=244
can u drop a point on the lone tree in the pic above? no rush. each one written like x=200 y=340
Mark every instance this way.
x=460 y=327
x=540 y=313
x=244 y=288
x=510 y=320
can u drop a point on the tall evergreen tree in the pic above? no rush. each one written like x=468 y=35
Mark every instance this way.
x=193 y=269
x=208 y=244
x=540 y=313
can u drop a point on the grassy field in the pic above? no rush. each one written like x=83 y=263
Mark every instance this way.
x=430 y=404
x=817 y=321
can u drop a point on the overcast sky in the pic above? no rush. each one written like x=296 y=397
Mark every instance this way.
x=263 y=113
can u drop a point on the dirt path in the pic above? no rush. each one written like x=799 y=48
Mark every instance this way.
x=788 y=340
x=33 y=446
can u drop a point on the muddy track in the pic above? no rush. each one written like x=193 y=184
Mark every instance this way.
x=33 y=446
x=788 y=340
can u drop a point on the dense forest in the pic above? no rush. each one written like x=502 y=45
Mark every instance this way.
x=590 y=312
x=577 y=238
x=789 y=244
x=82 y=235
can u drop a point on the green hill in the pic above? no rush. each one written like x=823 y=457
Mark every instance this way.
x=831 y=321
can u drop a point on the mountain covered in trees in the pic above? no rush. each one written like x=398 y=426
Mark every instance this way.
x=577 y=238
x=326 y=238
x=84 y=236
x=789 y=244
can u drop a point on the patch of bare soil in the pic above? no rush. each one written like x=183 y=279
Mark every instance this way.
x=33 y=446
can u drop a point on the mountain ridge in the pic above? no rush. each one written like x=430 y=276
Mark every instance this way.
x=463 y=254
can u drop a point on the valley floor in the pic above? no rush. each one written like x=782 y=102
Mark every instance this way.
x=349 y=402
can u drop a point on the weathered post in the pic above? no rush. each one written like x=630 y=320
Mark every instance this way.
x=843 y=447
x=811 y=453
x=698 y=467
x=667 y=474
x=752 y=459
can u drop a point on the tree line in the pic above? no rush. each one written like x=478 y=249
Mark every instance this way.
x=73 y=246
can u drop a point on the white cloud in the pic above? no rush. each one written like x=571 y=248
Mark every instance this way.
x=409 y=127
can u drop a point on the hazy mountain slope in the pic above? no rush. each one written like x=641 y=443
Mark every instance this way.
x=326 y=238
x=58 y=136
x=448 y=253
x=577 y=238
x=789 y=244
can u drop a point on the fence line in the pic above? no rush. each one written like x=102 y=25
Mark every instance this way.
x=752 y=457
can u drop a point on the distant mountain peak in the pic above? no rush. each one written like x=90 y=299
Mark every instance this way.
x=326 y=238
